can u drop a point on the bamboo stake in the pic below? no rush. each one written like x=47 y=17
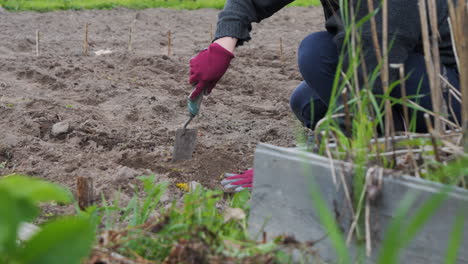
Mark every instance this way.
x=37 y=42
x=169 y=43
x=85 y=41
x=85 y=191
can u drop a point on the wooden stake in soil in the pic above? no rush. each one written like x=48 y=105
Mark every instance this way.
x=211 y=32
x=85 y=191
x=37 y=43
x=169 y=43
x=130 y=35
x=85 y=41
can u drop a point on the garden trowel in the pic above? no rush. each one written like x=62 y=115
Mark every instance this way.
x=186 y=138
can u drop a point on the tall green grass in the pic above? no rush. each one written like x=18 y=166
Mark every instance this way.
x=52 y=5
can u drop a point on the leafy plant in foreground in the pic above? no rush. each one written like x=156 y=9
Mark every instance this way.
x=197 y=227
x=64 y=240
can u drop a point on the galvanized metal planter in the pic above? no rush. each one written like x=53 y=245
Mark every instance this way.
x=281 y=204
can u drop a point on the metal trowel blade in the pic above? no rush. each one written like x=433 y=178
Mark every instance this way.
x=184 y=144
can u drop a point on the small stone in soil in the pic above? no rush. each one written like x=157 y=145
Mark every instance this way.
x=60 y=128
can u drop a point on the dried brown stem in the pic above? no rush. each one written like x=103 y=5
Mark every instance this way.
x=375 y=36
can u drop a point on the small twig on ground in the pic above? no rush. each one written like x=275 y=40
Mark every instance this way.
x=85 y=41
x=169 y=43
x=37 y=43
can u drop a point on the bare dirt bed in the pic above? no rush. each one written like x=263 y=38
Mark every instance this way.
x=123 y=108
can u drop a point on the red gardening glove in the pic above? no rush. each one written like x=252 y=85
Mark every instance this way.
x=208 y=67
x=238 y=182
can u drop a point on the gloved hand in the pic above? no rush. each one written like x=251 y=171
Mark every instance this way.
x=238 y=182
x=208 y=67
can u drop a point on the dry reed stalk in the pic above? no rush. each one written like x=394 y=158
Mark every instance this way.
x=354 y=37
x=169 y=43
x=389 y=128
x=459 y=23
x=85 y=41
x=433 y=137
x=37 y=42
x=436 y=59
x=375 y=39
x=431 y=68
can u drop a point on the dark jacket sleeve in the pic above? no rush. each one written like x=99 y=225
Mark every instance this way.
x=237 y=16
x=404 y=33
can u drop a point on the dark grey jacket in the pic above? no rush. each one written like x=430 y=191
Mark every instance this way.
x=404 y=26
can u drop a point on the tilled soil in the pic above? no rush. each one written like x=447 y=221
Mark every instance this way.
x=123 y=108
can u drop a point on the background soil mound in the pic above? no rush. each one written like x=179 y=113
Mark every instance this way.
x=113 y=117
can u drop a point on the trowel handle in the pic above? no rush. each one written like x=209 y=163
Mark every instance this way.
x=194 y=105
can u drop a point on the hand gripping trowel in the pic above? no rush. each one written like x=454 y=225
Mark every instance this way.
x=186 y=138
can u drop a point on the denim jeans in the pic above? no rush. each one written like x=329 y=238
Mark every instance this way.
x=318 y=59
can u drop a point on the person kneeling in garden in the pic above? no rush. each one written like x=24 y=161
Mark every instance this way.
x=318 y=57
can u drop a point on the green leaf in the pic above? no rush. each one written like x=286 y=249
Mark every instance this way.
x=34 y=189
x=241 y=199
x=402 y=231
x=66 y=240
x=456 y=238
x=13 y=211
